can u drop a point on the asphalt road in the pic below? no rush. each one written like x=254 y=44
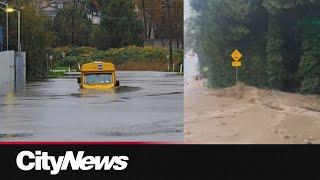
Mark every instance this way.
x=148 y=106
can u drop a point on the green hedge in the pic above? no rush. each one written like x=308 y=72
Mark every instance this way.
x=116 y=56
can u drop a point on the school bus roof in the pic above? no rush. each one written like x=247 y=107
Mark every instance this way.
x=97 y=66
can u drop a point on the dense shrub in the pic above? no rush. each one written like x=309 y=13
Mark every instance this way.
x=279 y=40
x=310 y=65
x=118 y=56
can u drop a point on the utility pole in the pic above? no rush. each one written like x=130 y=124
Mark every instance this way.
x=73 y=23
x=169 y=33
x=144 y=19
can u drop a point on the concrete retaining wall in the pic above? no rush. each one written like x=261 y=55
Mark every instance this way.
x=12 y=79
x=6 y=72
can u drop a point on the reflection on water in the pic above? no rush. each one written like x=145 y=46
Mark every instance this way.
x=148 y=107
x=165 y=94
x=14 y=135
x=96 y=93
x=123 y=89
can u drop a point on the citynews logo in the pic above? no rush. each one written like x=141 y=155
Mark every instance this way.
x=27 y=160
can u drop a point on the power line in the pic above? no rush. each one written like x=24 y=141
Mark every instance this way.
x=116 y=18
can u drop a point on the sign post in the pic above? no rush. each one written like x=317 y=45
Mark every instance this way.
x=236 y=56
x=236 y=75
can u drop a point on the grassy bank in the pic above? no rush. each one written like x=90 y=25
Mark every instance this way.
x=55 y=74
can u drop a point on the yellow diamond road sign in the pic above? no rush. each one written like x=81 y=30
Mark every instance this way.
x=236 y=63
x=236 y=55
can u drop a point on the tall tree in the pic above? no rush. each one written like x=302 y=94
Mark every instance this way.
x=278 y=51
x=275 y=47
x=63 y=27
x=155 y=18
x=36 y=36
x=120 y=25
x=309 y=67
x=216 y=37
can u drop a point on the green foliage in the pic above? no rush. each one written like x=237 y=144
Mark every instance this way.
x=36 y=36
x=117 y=55
x=120 y=26
x=278 y=6
x=278 y=38
x=33 y=25
x=63 y=27
x=274 y=47
x=55 y=74
x=216 y=37
x=310 y=64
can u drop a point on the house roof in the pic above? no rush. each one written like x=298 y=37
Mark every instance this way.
x=50 y=11
x=49 y=8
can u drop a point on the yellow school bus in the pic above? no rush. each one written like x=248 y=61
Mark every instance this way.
x=98 y=75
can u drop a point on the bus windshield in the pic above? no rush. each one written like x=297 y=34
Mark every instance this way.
x=98 y=78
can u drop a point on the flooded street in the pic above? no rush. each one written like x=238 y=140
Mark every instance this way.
x=148 y=106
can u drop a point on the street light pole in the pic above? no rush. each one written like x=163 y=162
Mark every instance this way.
x=170 y=33
x=19 y=33
x=10 y=10
x=7 y=14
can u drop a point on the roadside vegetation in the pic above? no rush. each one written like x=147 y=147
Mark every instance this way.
x=125 y=27
x=125 y=58
x=279 y=39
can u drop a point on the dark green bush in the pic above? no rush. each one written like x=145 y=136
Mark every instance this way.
x=117 y=56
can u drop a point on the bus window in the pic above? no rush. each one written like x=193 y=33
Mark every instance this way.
x=98 y=78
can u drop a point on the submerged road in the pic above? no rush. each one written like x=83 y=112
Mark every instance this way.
x=148 y=106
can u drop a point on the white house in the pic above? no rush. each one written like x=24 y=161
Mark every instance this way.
x=52 y=8
x=95 y=18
